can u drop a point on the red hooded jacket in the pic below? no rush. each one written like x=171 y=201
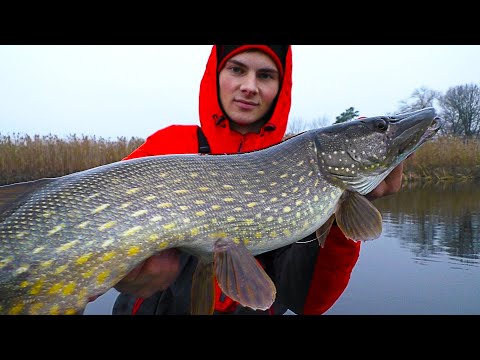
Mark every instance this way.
x=334 y=262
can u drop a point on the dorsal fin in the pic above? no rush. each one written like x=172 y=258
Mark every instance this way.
x=14 y=194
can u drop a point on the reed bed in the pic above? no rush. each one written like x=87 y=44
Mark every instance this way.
x=446 y=158
x=25 y=158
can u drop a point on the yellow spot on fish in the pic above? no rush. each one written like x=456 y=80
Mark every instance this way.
x=87 y=274
x=107 y=243
x=24 y=284
x=287 y=232
x=301 y=179
x=186 y=220
x=236 y=240
x=134 y=250
x=35 y=308
x=295 y=189
x=252 y=204
x=156 y=218
x=37 y=250
x=263 y=191
x=181 y=191
x=332 y=195
x=108 y=256
x=228 y=187
x=194 y=231
x=139 y=213
x=5 y=261
x=132 y=231
x=37 y=287
x=22 y=269
x=230 y=219
x=273 y=199
x=100 y=208
x=300 y=163
x=83 y=259
x=21 y=234
x=70 y=312
x=163 y=245
x=203 y=188
x=270 y=218
x=283 y=176
x=229 y=199
x=164 y=205
x=315 y=198
x=183 y=207
x=125 y=205
x=199 y=202
x=68 y=289
x=200 y=213
x=66 y=246
x=133 y=190
x=273 y=234
x=248 y=193
x=260 y=172
x=298 y=214
x=103 y=276
x=298 y=202
x=216 y=207
x=61 y=269
x=238 y=209
x=153 y=237
x=169 y=226
x=107 y=225
x=150 y=197
x=46 y=263
x=55 y=288
x=194 y=175
x=249 y=221
x=55 y=310
x=83 y=225
x=280 y=220
x=246 y=241
x=258 y=235
x=287 y=209
x=56 y=229
x=15 y=310
x=218 y=235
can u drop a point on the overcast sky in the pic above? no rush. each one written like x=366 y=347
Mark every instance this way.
x=122 y=90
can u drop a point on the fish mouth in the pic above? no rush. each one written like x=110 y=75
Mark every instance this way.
x=414 y=129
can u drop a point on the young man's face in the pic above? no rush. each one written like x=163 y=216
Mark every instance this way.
x=248 y=85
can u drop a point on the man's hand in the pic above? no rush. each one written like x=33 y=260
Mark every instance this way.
x=391 y=184
x=156 y=273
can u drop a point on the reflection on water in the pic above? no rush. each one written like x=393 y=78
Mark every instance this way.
x=435 y=220
x=427 y=259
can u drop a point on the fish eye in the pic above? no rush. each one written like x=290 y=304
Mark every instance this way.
x=381 y=124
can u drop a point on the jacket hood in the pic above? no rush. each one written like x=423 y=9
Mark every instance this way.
x=214 y=122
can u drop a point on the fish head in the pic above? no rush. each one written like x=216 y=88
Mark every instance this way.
x=359 y=154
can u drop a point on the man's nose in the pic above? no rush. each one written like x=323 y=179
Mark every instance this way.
x=249 y=85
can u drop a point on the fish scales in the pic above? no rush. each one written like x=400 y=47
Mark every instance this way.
x=77 y=235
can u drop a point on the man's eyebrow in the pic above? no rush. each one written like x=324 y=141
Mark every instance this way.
x=239 y=63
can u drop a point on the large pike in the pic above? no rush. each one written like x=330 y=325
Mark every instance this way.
x=66 y=239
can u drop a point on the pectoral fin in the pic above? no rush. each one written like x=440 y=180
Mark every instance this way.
x=241 y=277
x=323 y=231
x=203 y=290
x=358 y=218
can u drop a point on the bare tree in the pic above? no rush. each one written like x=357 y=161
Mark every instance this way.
x=298 y=125
x=420 y=99
x=461 y=110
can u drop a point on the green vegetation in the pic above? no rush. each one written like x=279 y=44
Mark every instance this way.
x=25 y=158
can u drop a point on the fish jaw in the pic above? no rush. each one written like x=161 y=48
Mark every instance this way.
x=359 y=154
